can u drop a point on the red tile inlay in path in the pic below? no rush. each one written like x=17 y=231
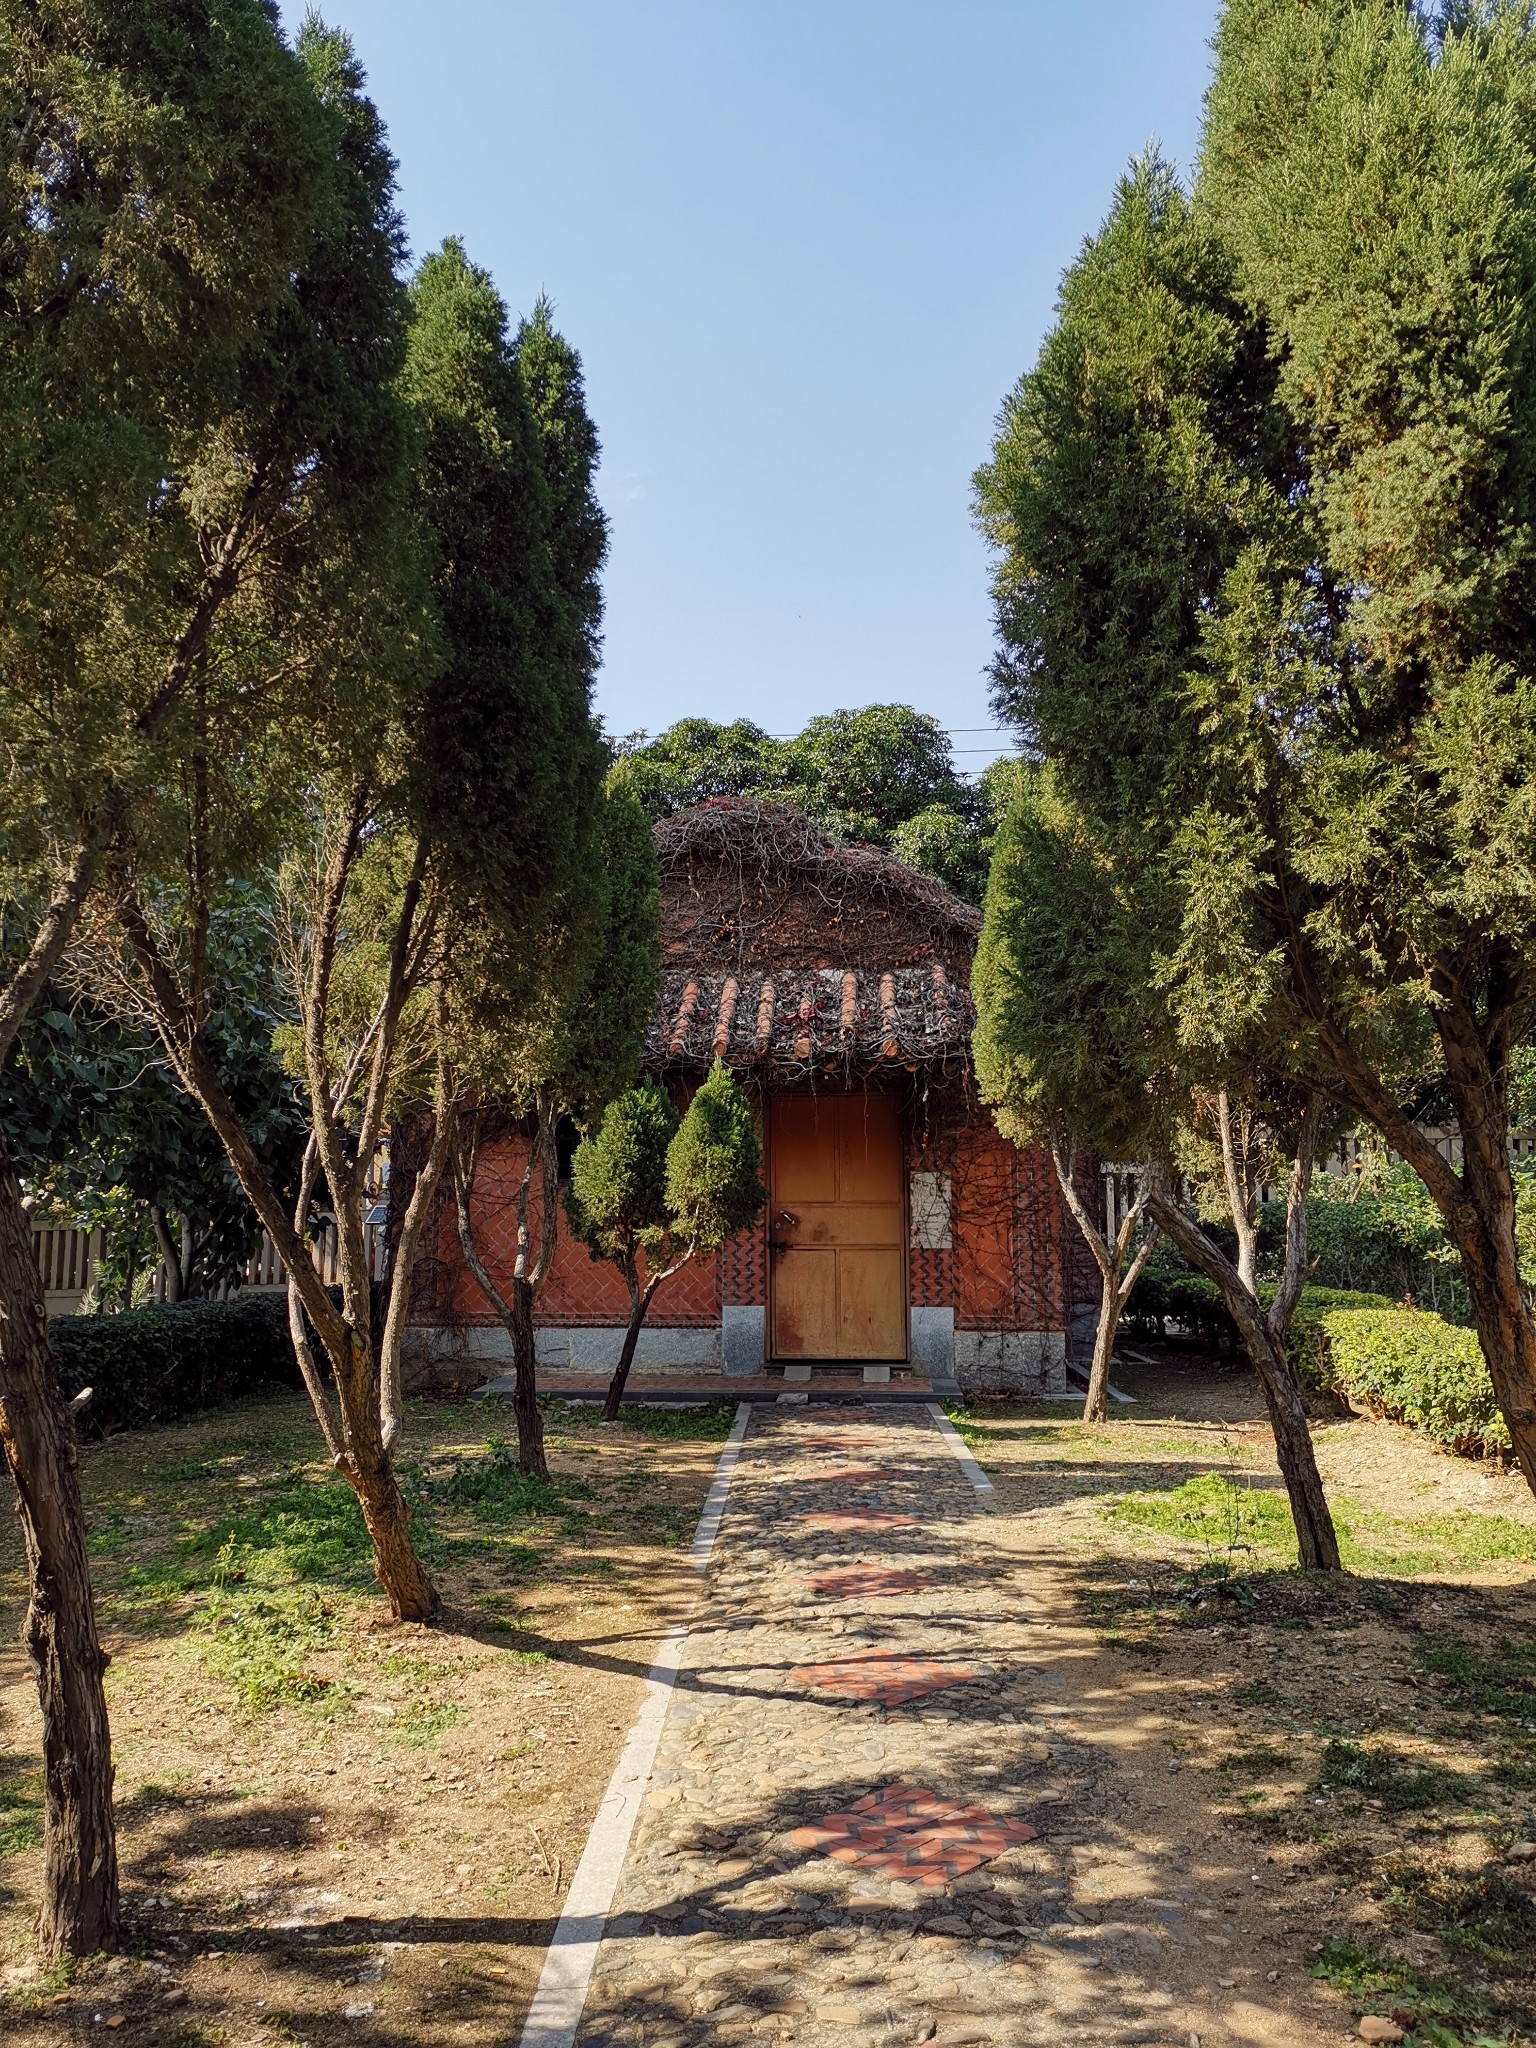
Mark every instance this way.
x=858 y=1518
x=869 y=1582
x=905 y=1832
x=860 y=1475
x=886 y=1679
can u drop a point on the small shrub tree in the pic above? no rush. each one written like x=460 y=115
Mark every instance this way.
x=652 y=1194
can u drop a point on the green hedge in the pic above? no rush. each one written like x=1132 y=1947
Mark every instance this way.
x=1306 y=1342
x=153 y=1364
x=1189 y=1298
x=1414 y=1367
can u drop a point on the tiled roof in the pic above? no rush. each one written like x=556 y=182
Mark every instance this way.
x=805 y=1019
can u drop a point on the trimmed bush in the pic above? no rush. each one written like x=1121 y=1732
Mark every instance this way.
x=1307 y=1339
x=1170 y=1293
x=1413 y=1367
x=152 y=1365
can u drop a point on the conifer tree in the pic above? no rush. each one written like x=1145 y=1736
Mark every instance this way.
x=165 y=168
x=566 y=1056
x=1263 y=513
x=652 y=1194
x=1054 y=965
x=1076 y=1042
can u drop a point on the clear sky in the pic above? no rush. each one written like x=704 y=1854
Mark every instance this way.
x=804 y=248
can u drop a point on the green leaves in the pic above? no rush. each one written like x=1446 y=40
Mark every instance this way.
x=618 y=1185
x=713 y=1183
x=645 y=1180
x=883 y=776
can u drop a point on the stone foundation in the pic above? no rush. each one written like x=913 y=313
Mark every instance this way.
x=1011 y=1361
x=981 y=1361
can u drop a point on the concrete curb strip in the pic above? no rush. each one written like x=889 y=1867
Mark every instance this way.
x=963 y=1458
x=561 y=1996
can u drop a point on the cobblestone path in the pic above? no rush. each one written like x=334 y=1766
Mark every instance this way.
x=873 y=1817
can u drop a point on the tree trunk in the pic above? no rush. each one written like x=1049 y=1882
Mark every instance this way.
x=1115 y=1284
x=79 y=1912
x=1317 y=1544
x=525 y=1393
x=1096 y=1405
x=639 y=1302
x=1478 y=1204
x=1236 y=1164
x=1483 y=1229
x=411 y=1594
x=170 y=1261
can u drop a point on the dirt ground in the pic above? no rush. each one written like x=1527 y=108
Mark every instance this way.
x=310 y=1797
x=1342 y=1773
x=337 y=1830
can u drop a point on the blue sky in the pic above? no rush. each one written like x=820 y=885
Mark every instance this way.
x=804 y=247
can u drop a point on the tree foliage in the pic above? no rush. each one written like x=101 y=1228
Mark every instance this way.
x=1265 y=557
x=884 y=776
x=651 y=1194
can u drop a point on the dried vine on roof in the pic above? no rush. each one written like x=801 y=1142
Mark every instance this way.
x=784 y=949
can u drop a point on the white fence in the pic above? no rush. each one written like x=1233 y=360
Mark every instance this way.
x=69 y=1261
x=1119 y=1180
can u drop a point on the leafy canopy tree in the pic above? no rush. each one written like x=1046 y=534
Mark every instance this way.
x=316 y=778
x=884 y=776
x=1264 y=520
x=652 y=1194
x=165 y=171
x=109 y=1140
x=550 y=1015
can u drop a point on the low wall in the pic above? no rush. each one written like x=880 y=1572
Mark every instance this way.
x=980 y=1361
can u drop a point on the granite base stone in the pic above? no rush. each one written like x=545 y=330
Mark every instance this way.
x=1011 y=1361
x=436 y=1357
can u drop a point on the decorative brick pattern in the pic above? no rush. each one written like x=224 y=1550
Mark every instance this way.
x=931 y=1277
x=886 y=1679
x=743 y=1263
x=854 y=1521
x=860 y=1475
x=869 y=1582
x=907 y=1833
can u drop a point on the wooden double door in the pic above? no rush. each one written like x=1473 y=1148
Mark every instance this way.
x=837 y=1228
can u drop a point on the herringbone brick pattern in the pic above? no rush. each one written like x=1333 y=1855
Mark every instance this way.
x=907 y=1833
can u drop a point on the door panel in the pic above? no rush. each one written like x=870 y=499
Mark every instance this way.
x=838 y=1228
x=870 y=1302
x=868 y=1150
x=805 y=1305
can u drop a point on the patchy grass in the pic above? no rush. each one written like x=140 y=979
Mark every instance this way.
x=1227 y=1517
x=705 y=1422
x=1233 y=1518
x=279 y=1742
x=21 y=1809
x=1379 y=1773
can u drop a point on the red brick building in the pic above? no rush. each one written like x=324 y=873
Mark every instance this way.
x=903 y=1234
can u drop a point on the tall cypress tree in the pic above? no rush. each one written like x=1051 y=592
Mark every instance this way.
x=1267 y=579
x=165 y=168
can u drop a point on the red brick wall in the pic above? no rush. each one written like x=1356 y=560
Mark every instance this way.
x=580 y=1291
x=1007 y=1268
